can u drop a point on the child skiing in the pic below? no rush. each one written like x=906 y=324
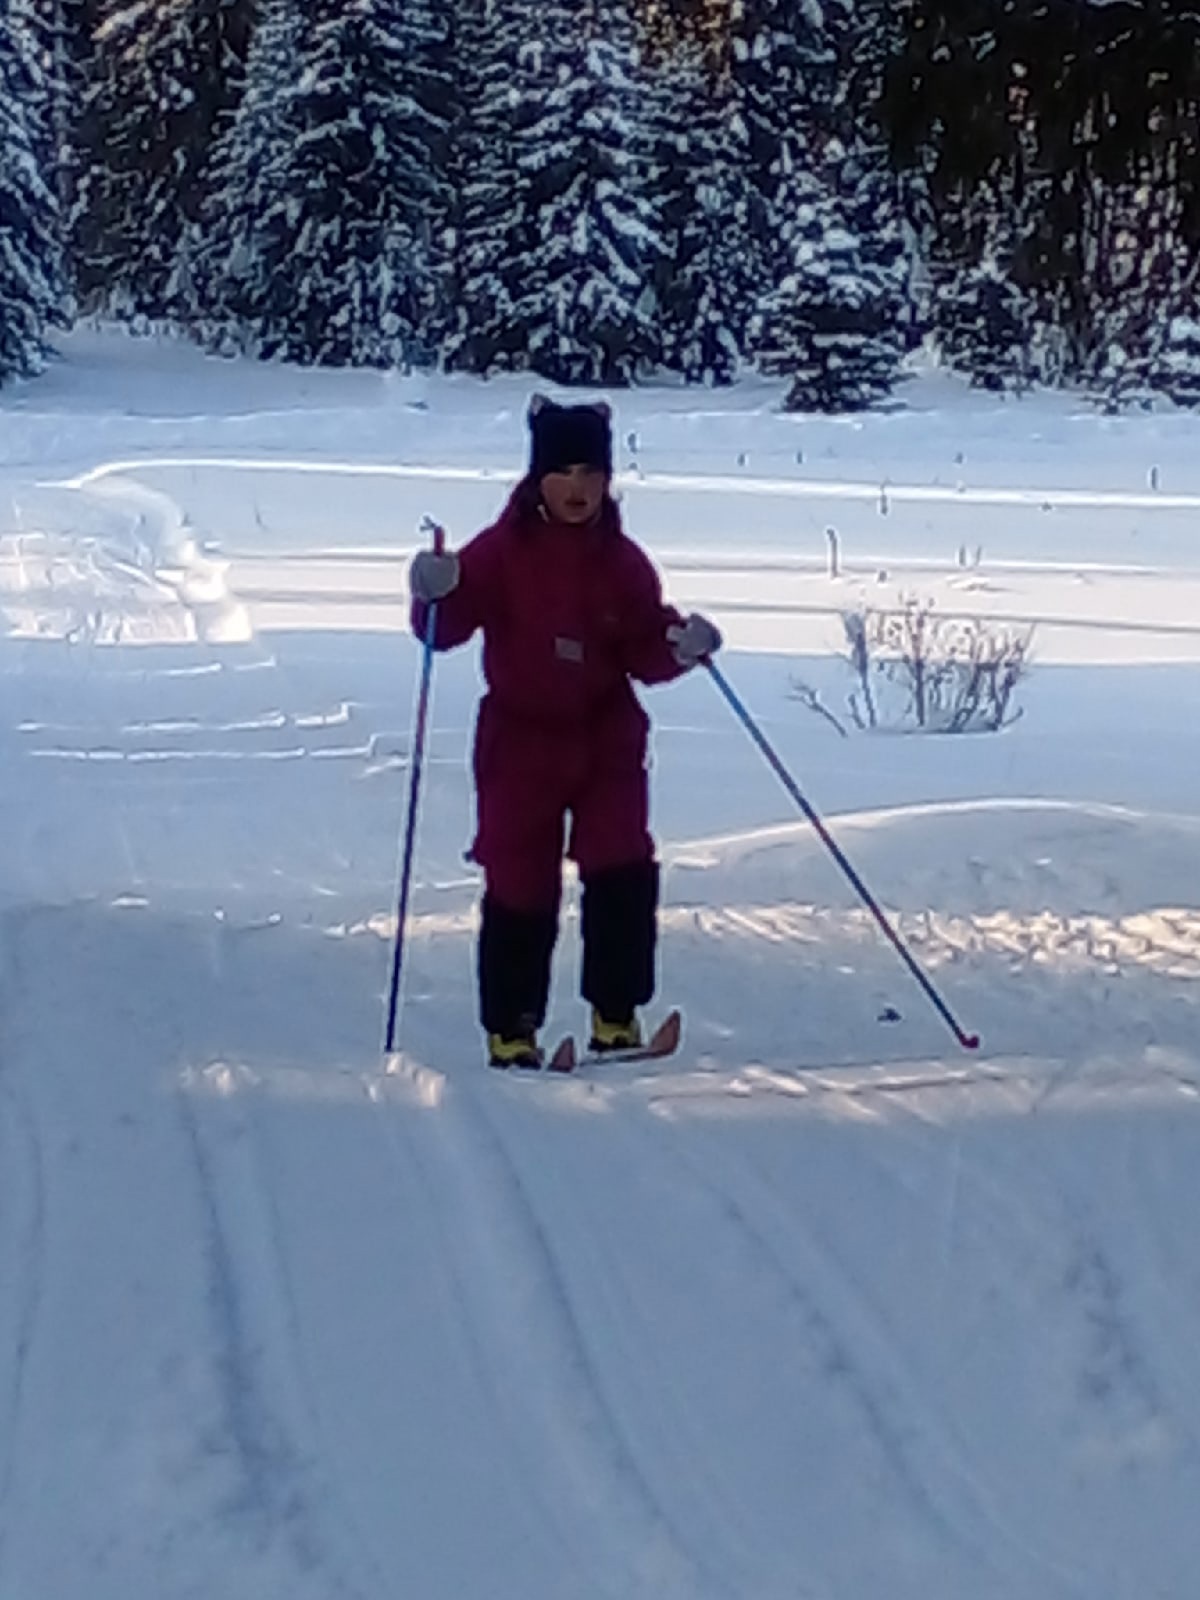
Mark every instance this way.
x=571 y=611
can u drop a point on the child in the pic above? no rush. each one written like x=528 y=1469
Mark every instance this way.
x=571 y=610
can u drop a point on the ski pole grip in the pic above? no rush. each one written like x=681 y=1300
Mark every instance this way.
x=428 y=525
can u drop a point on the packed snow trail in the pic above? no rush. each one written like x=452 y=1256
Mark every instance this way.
x=257 y=506
x=758 y=1321
x=810 y=1310
x=799 y=487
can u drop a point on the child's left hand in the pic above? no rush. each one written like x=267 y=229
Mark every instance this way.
x=695 y=641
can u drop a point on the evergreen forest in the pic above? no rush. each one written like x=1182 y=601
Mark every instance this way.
x=607 y=192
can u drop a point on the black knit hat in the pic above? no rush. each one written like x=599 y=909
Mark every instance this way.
x=569 y=436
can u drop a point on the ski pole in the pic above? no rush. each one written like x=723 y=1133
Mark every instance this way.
x=969 y=1041
x=414 y=794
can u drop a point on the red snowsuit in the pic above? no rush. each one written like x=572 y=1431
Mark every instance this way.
x=569 y=616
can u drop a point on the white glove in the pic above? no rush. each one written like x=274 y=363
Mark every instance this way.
x=432 y=576
x=695 y=641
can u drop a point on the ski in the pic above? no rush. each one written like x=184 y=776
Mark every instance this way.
x=663 y=1042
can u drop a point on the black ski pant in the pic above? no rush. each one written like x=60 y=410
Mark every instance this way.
x=619 y=929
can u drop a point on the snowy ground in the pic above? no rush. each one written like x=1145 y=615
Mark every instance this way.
x=822 y=1310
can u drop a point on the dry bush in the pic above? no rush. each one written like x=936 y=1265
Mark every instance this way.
x=916 y=669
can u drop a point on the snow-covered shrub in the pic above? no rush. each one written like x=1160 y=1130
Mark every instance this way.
x=935 y=674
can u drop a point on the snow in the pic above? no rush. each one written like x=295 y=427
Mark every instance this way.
x=822 y=1308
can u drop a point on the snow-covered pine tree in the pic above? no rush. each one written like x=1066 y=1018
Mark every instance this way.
x=1174 y=365
x=884 y=204
x=329 y=195
x=32 y=298
x=833 y=324
x=40 y=25
x=1145 y=274
x=161 y=76
x=783 y=74
x=784 y=71
x=589 y=306
x=867 y=36
x=1079 y=122
x=874 y=201
x=457 y=58
x=230 y=283
x=562 y=238
x=79 y=20
x=698 y=160
x=984 y=327
x=1120 y=378
x=490 y=198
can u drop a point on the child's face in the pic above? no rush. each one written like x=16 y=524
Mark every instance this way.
x=575 y=494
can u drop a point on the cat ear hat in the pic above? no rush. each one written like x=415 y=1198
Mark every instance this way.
x=569 y=436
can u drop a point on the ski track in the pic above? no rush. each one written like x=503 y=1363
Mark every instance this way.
x=838 y=1322
x=705 y=1497
x=845 y=1331
x=432 y=1162
x=1115 y=1367
x=520 y=1292
x=1048 y=1236
x=1174 y=1269
x=1130 y=1393
x=1124 y=1369
x=22 y=1214
x=257 y=1343
x=926 y=1460
x=22 y=1250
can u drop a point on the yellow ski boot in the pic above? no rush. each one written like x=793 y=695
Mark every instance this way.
x=521 y=1051
x=614 y=1036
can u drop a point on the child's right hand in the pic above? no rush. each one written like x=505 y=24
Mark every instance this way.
x=433 y=575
